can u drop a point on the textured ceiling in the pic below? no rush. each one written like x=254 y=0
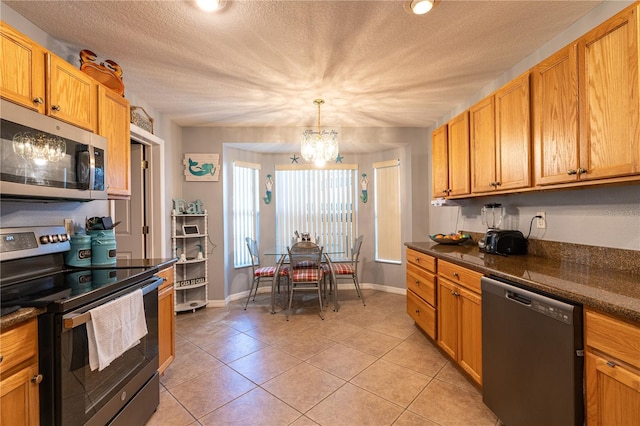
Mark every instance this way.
x=262 y=63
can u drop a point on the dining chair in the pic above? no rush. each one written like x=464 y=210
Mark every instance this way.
x=349 y=270
x=262 y=273
x=303 y=277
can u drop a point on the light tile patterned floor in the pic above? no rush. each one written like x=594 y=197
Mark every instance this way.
x=363 y=365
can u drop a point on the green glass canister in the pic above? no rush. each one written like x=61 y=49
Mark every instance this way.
x=103 y=247
x=80 y=252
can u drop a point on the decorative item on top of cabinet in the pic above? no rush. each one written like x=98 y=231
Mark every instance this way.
x=109 y=75
x=612 y=370
x=460 y=317
x=189 y=233
x=141 y=118
x=500 y=139
x=113 y=124
x=421 y=290
x=166 y=320
x=22 y=75
x=19 y=376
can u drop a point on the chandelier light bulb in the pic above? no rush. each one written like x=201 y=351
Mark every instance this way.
x=209 y=5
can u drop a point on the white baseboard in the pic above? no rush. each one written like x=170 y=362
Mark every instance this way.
x=341 y=286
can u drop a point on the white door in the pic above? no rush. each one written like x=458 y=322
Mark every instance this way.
x=130 y=233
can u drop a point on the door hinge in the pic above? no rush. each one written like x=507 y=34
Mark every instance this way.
x=144 y=164
x=145 y=230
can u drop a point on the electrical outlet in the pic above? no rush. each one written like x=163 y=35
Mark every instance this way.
x=68 y=225
x=542 y=220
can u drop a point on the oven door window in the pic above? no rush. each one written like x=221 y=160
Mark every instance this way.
x=85 y=392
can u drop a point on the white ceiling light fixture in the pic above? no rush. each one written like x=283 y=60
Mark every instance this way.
x=321 y=145
x=210 y=5
x=419 y=7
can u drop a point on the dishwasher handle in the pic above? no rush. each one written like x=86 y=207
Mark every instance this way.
x=519 y=298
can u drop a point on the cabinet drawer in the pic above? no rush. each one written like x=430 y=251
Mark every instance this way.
x=18 y=345
x=423 y=260
x=167 y=274
x=459 y=275
x=422 y=283
x=422 y=313
x=614 y=337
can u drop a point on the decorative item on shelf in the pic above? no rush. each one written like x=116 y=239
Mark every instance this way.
x=269 y=185
x=321 y=145
x=200 y=255
x=181 y=206
x=294 y=159
x=141 y=118
x=193 y=281
x=109 y=75
x=364 y=183
x=201 y=167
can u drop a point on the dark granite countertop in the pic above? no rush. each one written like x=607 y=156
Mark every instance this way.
x=19 y=316
x=611 y=291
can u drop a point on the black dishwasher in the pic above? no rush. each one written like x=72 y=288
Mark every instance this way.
x=532 y=360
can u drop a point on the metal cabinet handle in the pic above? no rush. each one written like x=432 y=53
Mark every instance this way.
x=417 y=311
x=455 y=274
x=38 y=100
x=56 y=108
x=418 y=282
x=572 y=172
x=1 y=358
x=36 y=379
x=444 y=191
x=582 y=171
x=417 y=260
x=611 y=364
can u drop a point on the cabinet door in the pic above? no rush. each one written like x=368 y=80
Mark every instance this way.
x=613 y=392
x=21 y=70
x=459 y=168
x=513 y=135
x=483 y=146
x=555 y=112
x=470 y=334
x=440 y=162
x=113 y=123
x=422 y=313
x=166 y=328
x=71 y=94
x=609 y=98
x=447 y=317
x=19 y=397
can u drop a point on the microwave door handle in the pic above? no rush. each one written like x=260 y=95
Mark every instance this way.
x=83 y=168
x=92 y=168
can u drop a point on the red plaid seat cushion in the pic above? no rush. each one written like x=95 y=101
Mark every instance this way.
x=306 y=264
x=343 y=269
x=306 y=274
x=269 y=271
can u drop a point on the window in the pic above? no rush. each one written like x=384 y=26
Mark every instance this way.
x=321 y=202
x=387 y=209
x=246 y=207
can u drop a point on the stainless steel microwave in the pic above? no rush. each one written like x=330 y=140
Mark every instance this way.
x=44 y=158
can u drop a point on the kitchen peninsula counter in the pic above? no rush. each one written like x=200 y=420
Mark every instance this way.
x=611 y=291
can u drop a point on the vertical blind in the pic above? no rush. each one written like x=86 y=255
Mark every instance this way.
x=387 y=211
x=246 y=207
x=321 y=202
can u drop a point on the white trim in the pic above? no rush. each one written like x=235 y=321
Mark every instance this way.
x=333 y=166
x=390 y=163
x=246 y=165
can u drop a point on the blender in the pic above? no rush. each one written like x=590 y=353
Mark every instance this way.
x=492 y=215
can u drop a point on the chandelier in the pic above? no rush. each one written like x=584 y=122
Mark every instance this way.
x=321 y=145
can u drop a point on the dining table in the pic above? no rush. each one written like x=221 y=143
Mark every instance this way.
x=283 y=259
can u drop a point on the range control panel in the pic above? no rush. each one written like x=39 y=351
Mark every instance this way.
x=17 y=243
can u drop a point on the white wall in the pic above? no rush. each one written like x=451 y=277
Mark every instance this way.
x=607 y=217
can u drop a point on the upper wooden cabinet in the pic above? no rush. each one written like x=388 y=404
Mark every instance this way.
x=113 y=123
x=440 y=162
x=483 y=146
x=500 y=139
x=71 y=94
x=609 y=99
x=586 y=106
x=21 y=70
x=555 y=118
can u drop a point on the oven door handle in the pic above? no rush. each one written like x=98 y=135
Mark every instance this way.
x=77 y=318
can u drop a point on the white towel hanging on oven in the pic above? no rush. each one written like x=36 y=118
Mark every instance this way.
x=114 y=328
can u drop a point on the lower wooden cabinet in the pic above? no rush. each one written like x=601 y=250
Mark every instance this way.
x=166 y=321
x=421 y=291
x=460 y=317
x=612 y=370
x=19 y=377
